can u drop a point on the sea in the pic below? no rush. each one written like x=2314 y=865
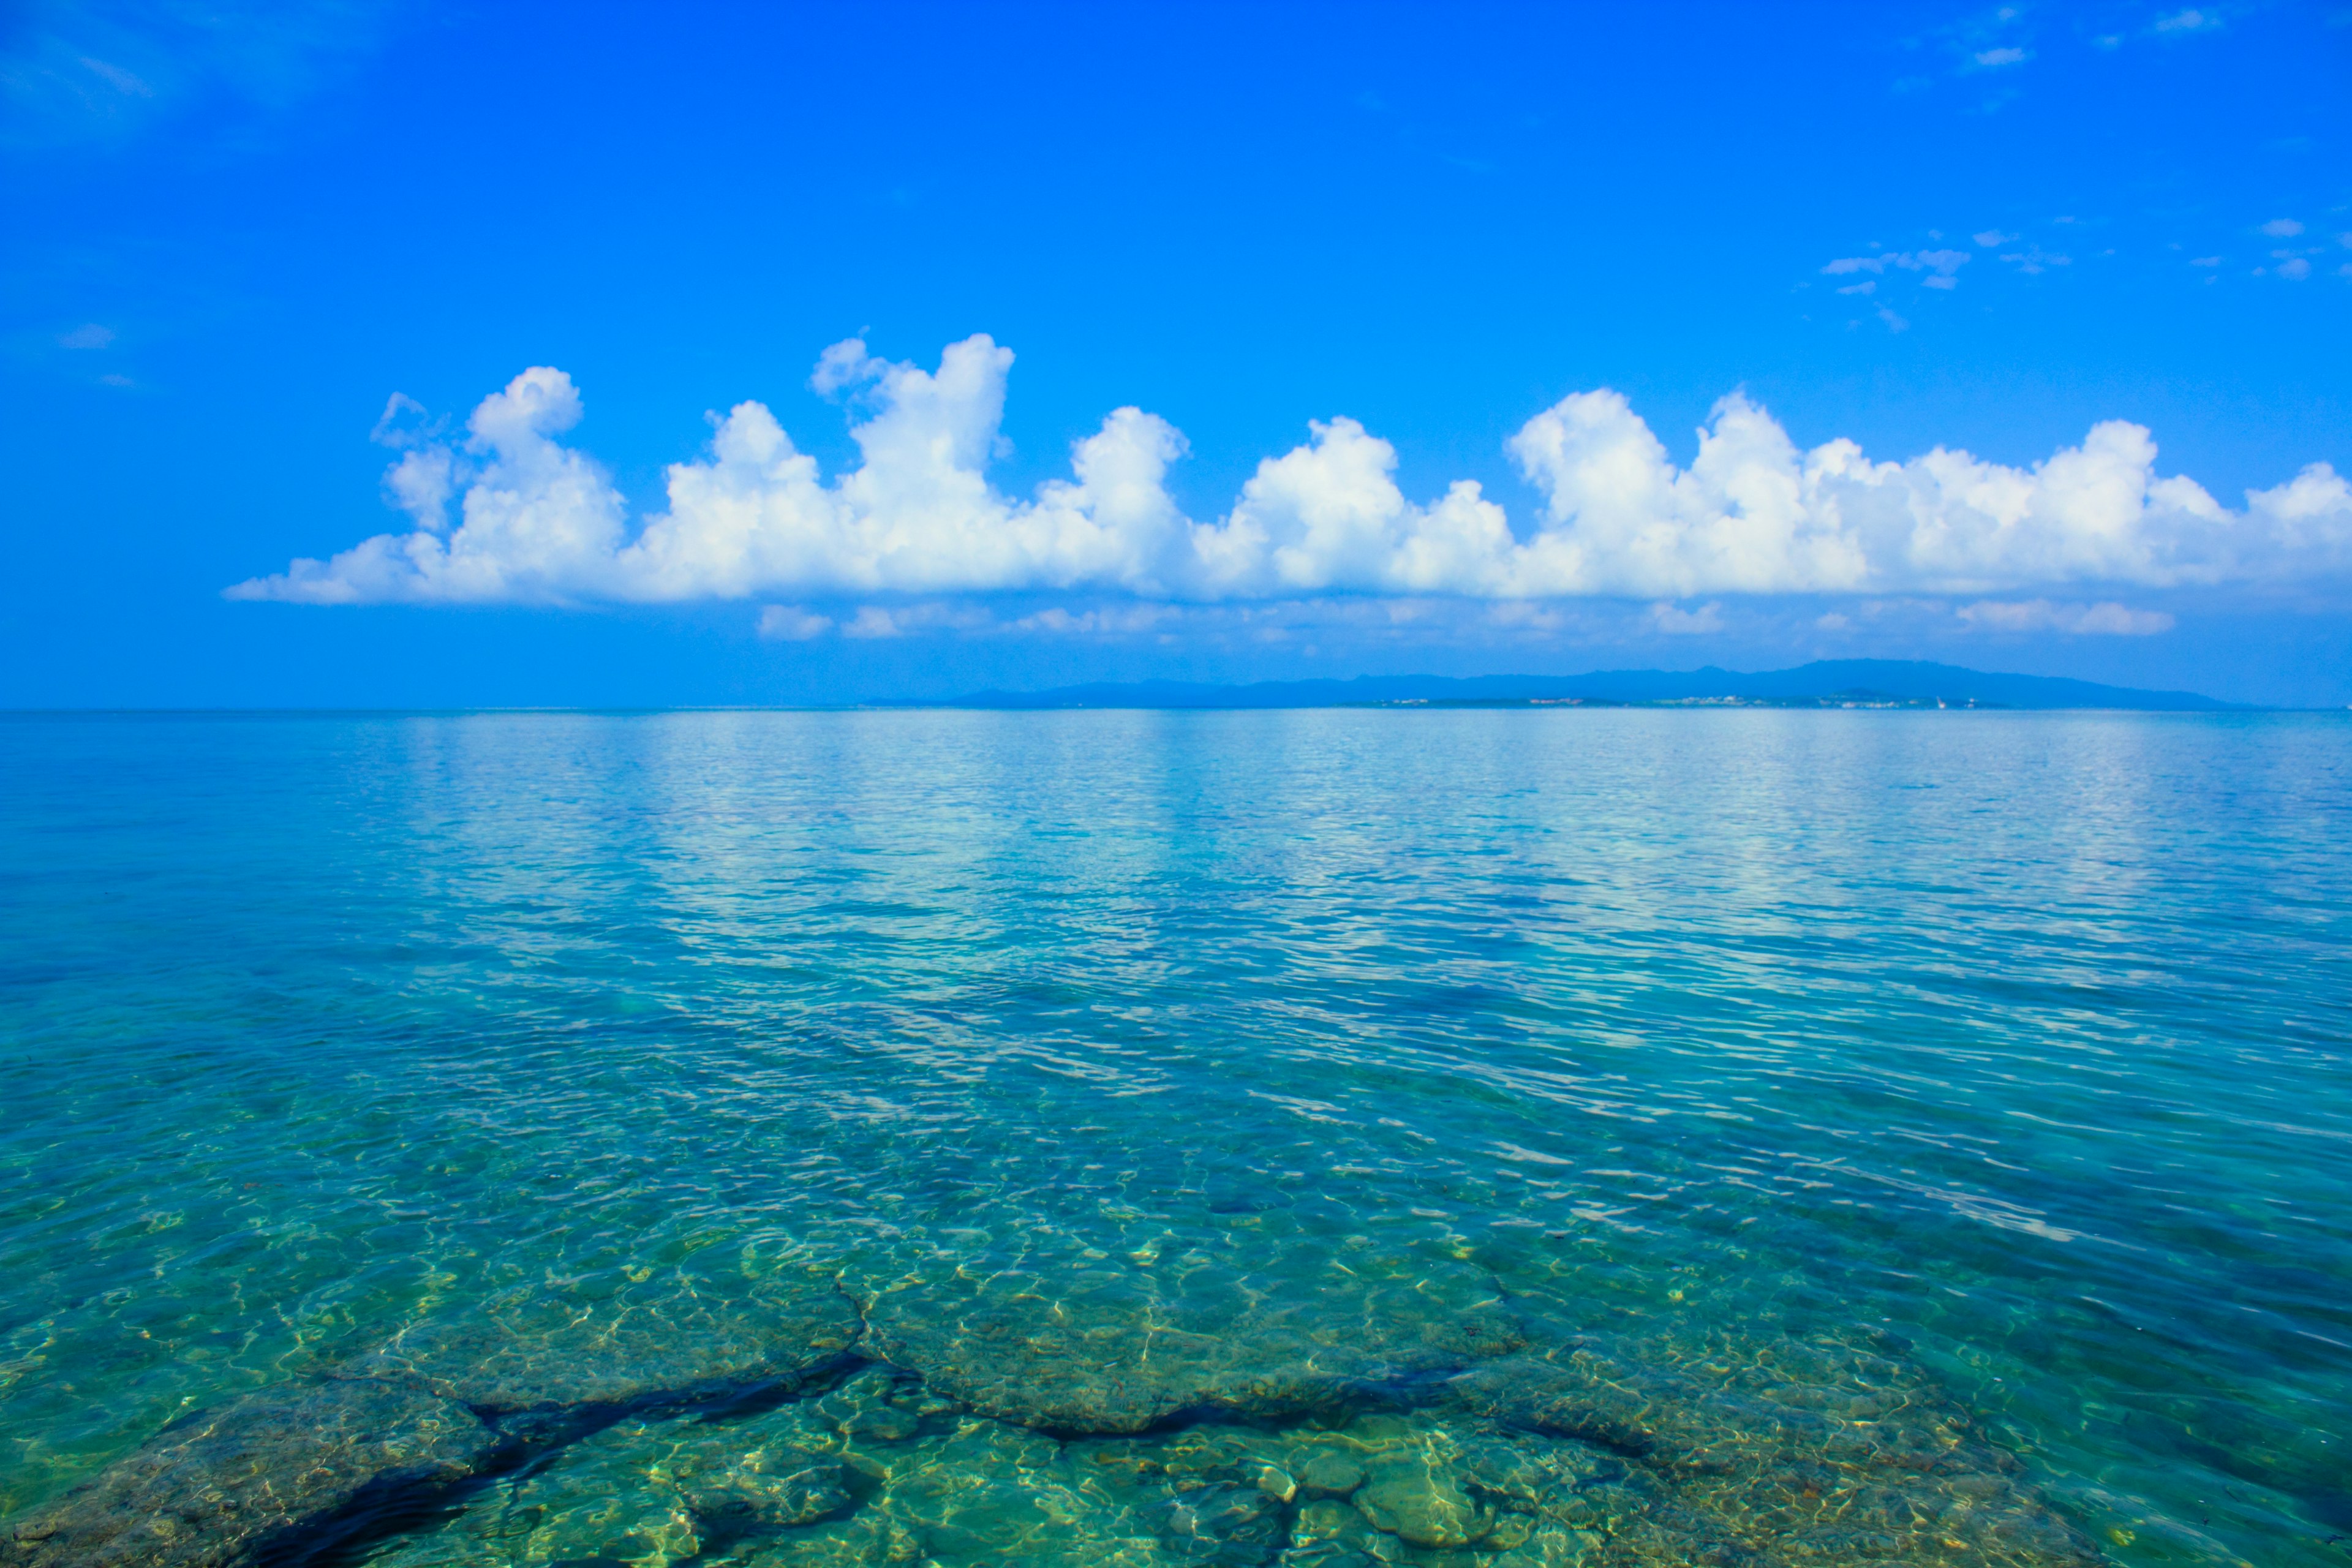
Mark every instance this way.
x=1466 y=1138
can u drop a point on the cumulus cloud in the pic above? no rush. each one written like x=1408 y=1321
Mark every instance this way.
x=540 y=522
x=87 y=336
x=2282 y=228
x=506 y=513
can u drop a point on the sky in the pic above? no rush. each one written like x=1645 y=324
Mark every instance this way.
x=362 y=356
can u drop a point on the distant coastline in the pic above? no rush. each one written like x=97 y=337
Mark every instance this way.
x=1828 y=683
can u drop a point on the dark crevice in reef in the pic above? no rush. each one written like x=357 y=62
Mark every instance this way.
x=316 y=1472
x=537 y=1438
x=1331 y=1402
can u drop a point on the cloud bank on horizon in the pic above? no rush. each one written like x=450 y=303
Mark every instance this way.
x=537 y=521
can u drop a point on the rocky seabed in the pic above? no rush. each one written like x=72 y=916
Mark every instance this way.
x=968 y=1419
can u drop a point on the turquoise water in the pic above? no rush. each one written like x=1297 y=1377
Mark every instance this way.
x=1457 y=1138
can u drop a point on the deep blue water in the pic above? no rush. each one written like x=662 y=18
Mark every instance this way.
x=1782 y=1095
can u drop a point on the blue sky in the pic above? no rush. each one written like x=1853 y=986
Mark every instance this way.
x=419 y=355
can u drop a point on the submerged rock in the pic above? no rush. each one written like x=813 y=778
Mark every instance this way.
x=654 y=1489
x=1767 y=1450
x=1330 y=1474
x=262 y=1476
x=1751 y=1453
x=1110 y=1345
x=759 y=1503
x=545 y=1349
x=1423 y=1503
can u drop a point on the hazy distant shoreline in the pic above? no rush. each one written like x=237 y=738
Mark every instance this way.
x=1835 y=683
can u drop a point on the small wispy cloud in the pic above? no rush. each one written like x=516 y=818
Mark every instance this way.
x=72 y=71
x=2107 y=619
x=117 y=79
x=1940 y=265
x=2035 y=260
x=1991 y=238
x=2282 y=228
x=1993 y=59
x=789 y=623
x=2189 y=21
x=1675 y=622
x=89 y=335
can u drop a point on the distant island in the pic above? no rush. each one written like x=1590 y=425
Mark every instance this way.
x=1826 y=683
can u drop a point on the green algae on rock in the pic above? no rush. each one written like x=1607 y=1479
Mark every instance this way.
x=263 y=1475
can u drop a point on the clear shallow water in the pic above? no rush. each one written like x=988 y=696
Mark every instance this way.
x=1580 y=1137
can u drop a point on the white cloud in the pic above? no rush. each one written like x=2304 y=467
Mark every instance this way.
x=1942 y=264
x=2035 y=260
x=1988 y=238
x=2294 y=267
x=540 y=522
x=2282 y=228
x=2107 y=619
x=89 y=336
x=536 y=521
x=1994 y=58
x=1675 y=622
x=2190 y=21
x=1120 y=620
x=878 y=621
x=789 y=623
